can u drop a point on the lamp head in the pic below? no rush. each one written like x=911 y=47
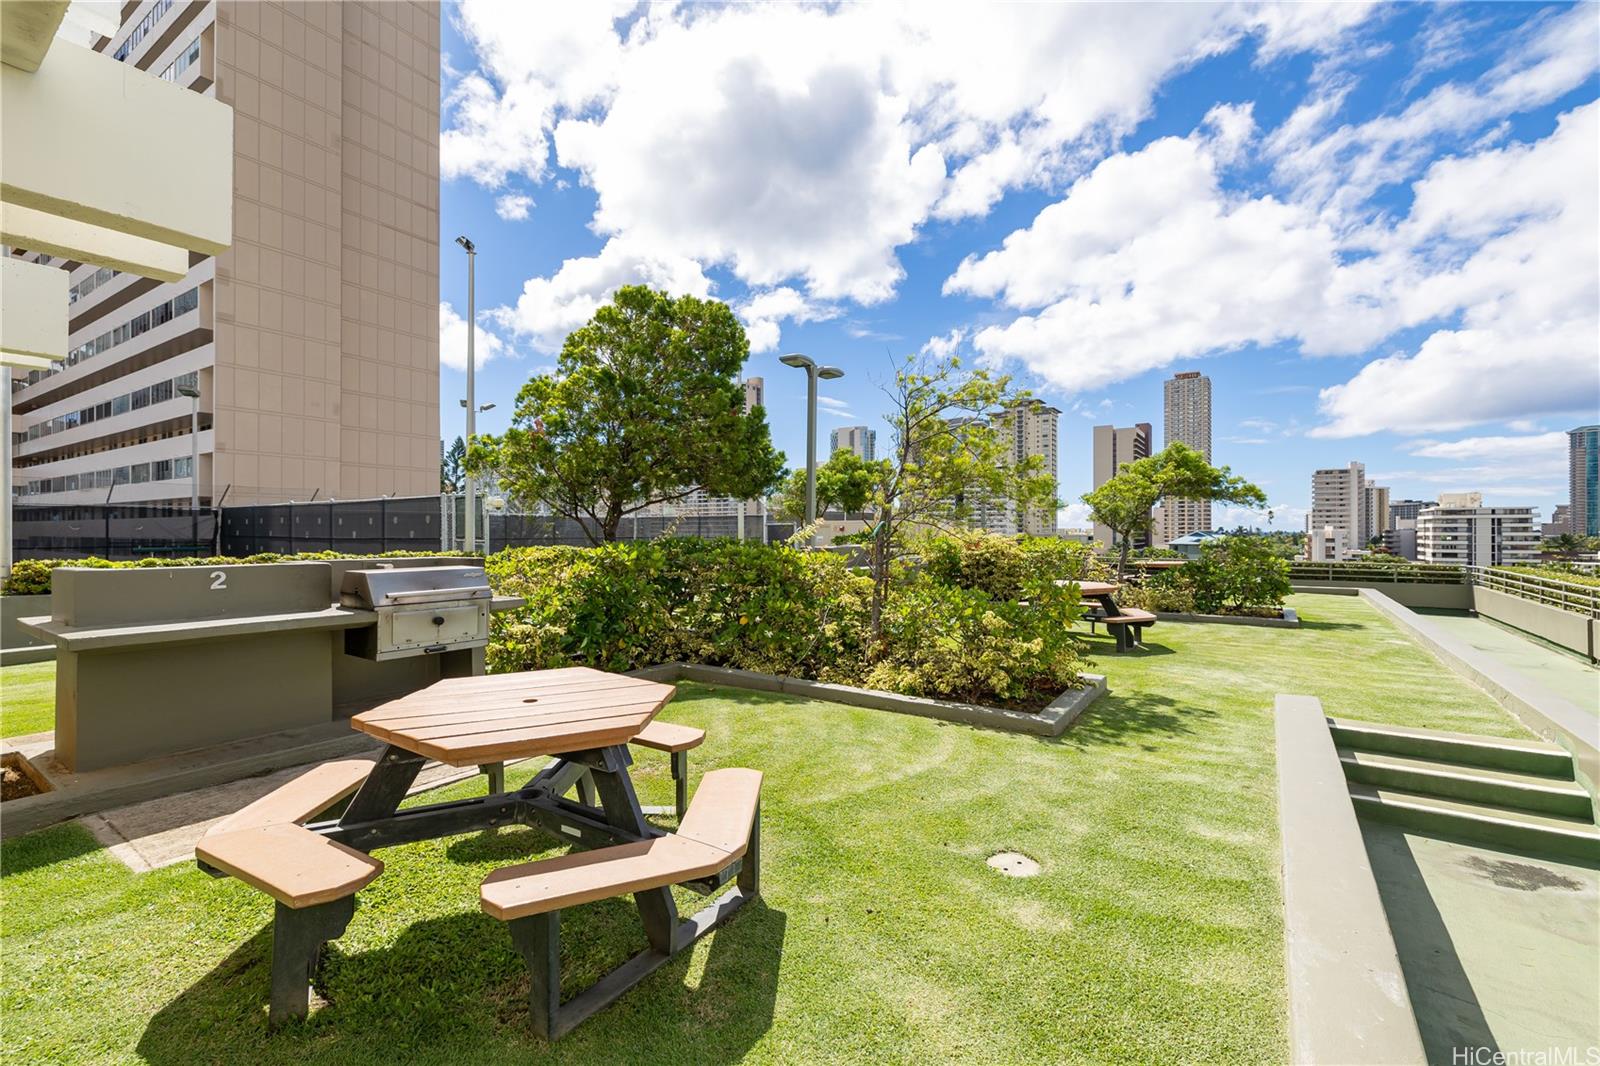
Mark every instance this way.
x=828 y=373
x=487 y=407
x=468 y=245
x=796 y=359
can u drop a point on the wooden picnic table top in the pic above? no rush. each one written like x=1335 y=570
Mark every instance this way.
x=466 y=721
x=1096 y=588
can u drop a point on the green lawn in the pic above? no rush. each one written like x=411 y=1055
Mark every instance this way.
x=27 y=699
x=1153 y=934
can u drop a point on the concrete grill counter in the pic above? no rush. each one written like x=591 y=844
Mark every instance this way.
x=150 y=662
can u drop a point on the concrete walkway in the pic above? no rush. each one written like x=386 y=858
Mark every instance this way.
x=1565 y=674
x=163 y=832
x=1500 y=951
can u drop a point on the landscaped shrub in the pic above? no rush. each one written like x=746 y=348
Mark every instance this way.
x=1006 y=567
x=31 y=577
x=775 y=609
x=1237 y=575
x=623 y=606
x=1576 y=575
x=949 y=642
x=1162 y=590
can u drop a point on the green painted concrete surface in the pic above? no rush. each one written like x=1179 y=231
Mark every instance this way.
x=1500 y=951
x=1564 y=673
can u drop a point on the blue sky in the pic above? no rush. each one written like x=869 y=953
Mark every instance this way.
x=1374 y=228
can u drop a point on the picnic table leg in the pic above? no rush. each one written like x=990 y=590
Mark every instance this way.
x=496 y=772
x=586 y=794
x=380 y=794
x=621 y=806
x=750 y=868
x=538 y=938
x=297 y=939
x=680 y=781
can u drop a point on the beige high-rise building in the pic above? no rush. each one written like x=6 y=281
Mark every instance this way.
x=1112 y=448
x=1338 y=498
x=1187 y=421
x=1374 y=512
x=1031 y=429
x=863 y=440
x=313 y=342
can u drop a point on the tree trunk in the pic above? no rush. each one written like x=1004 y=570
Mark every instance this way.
x=880 y=575
x=1122 y=559
x=612 y=523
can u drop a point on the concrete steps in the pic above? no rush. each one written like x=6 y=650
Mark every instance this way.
x=1519 y=794
x=1476 y=784
x=1501 y=753
x=1519 y=830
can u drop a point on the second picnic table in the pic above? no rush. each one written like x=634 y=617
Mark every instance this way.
x=1125 y=623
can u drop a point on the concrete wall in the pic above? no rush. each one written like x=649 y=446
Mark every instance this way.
x=1408 y=593
x=1569 y=630
x=29 y=648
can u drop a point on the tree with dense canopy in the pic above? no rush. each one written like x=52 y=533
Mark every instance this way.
x=644 y=408
x=1125 y=501
x=845 y=481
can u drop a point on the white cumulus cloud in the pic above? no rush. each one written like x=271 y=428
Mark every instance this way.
x=453 y=341
x=550 y=308
x=513 y=207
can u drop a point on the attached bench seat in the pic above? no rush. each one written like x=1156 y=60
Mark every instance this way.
x=675 y=740
x=293 y=865
x=300 y=800
x=313 y=879
x=1130 y=616
x=720 y=833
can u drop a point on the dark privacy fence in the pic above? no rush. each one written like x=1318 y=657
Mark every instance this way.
x=111 y=531
x=357 y=527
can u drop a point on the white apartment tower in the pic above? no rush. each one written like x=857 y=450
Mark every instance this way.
x=1187 y=421
x=1112 y=448
x=859 y=439
x=313 y=342
x=1460 y=530
x=1334 y=527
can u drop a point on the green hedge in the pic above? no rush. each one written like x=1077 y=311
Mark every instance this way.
x=775 y=609
x=31 y=577
x=1233 y=575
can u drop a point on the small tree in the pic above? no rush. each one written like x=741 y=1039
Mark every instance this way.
x=1235 y=573
x=643 y=409
x=1125 y=501
x=451 y=466
x=947 y=455
x=845 y=481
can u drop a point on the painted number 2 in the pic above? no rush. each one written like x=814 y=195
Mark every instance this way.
x=219 y=580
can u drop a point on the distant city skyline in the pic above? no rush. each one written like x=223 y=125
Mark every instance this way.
x=1341 y=151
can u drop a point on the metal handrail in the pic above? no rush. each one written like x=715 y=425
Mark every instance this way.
x=1553 y=592
x=1423 y=574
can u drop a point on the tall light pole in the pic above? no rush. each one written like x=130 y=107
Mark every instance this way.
x=471 y=401
x=193 y=393
x=813 y=372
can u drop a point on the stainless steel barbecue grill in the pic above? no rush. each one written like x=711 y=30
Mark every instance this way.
x=422 y=610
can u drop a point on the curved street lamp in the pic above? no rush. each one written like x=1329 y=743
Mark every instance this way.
x=813 y=372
